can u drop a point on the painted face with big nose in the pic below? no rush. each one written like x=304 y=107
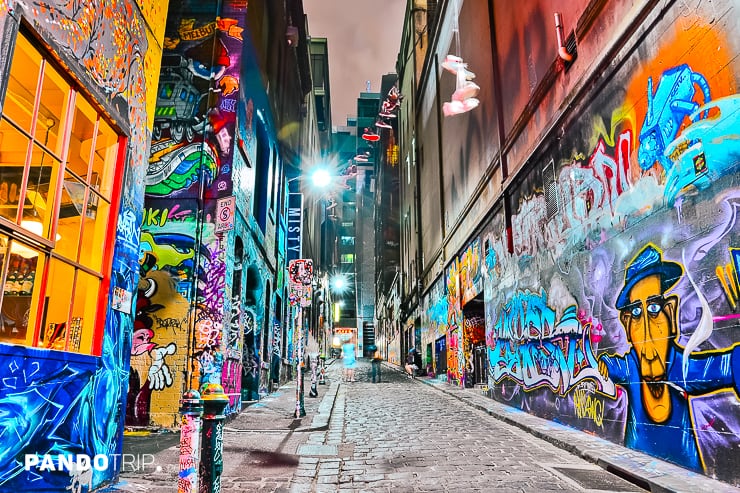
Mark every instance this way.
x=650 y=321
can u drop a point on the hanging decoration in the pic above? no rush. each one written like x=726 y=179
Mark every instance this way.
x=464 y=97
x=390 y=104
x=370 y=135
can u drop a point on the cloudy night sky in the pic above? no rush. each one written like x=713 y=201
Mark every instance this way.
x=364 y=37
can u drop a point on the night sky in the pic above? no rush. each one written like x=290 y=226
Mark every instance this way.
x=364 y=38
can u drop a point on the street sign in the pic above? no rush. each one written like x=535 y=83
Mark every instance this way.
x=300 y=277
x=225 y=214
x=295 y=226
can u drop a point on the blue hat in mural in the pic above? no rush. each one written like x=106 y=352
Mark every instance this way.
x=648 y=262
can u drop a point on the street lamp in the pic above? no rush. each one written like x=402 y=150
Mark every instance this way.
x=339 y=283
x=302 y=307
x=321 y=178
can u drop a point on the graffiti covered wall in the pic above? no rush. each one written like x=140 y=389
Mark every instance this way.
x=617 y=311
x=183 y=291
x=62 y=403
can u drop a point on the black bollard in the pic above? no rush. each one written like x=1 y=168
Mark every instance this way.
x=322 y=371
x=301 y=409
x=314 y=391
x=212 y=459
x=191 y=410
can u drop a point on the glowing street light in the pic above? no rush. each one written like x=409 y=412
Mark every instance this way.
x=321 y=178
x=339 y=283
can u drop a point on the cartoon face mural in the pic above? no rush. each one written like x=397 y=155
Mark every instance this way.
x=649 y=318
x=657 y=373
x=160 y=328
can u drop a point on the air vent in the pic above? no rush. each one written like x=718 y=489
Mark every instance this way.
x=572 y=48
x=552 y=197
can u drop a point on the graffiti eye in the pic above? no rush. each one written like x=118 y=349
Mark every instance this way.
x=636 y=312
x=654 y=308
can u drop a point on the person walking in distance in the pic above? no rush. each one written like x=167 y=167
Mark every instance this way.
x=376 y=366
x=350 y=361
x=411 y=364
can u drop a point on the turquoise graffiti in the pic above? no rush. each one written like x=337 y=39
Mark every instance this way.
x=706 y=150
x=530 y=346
x=672 y=101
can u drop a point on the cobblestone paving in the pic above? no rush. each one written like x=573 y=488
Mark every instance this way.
x=406 y=435
x=403 y=436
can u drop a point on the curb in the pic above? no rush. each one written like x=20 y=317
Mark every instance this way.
x=643 y=470
x=320 y=421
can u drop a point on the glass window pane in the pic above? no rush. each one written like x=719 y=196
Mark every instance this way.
x=24 y=73
x=93 y=232
x=58 y=301
x=17 y=294
x=52 y=109
x=81 y=141
x=39 y=204
x=13 y=151
x=70 y=217
x=104 y=159
x=84 y=308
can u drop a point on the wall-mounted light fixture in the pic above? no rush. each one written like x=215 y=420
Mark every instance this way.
x=291 y=36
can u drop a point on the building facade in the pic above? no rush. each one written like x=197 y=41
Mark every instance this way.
x=569 y=243
x=212 y=297
x=387 y=227
x=77 y=97
x=350 y=233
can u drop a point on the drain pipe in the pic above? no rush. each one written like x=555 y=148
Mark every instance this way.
x=562 y=50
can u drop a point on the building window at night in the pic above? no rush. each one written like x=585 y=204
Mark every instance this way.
x=347 y=258
x=348 y=240
x=58 y=165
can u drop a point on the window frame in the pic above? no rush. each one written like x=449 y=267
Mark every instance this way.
x=45 y=246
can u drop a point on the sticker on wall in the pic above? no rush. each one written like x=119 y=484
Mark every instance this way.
x=121 y=300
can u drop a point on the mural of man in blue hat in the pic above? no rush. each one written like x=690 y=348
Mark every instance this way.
x=658 y=417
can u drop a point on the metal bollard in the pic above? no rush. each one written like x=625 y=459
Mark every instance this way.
x=313 y=392
x=212 y=459
x=300 y=405
x=191 y=409
x=322 y=371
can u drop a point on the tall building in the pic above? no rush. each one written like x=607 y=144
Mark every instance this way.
x=340 y=236
x=76 y=119
x=354 y=241
x=386 y=222
x=568 y=235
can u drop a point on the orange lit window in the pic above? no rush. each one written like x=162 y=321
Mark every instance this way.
x=58 y=163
